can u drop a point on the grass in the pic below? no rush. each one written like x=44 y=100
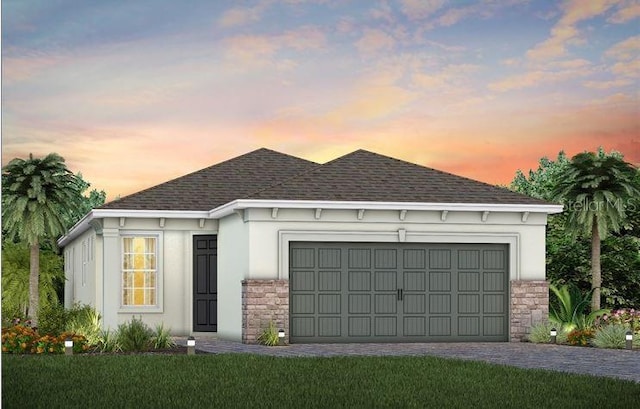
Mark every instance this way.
x=235 y=380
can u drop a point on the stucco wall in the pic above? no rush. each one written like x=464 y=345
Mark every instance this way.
x=80 y=270
x=175 y=266
x=233 y=266
x=269 y=237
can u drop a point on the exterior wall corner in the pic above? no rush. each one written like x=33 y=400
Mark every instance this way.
x=264 y=301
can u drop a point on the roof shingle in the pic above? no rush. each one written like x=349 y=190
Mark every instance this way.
x=358 y=176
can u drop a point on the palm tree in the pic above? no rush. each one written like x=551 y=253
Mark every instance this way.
x=596 y=189
x=37 y=195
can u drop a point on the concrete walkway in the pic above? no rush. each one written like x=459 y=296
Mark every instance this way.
x=622 y=364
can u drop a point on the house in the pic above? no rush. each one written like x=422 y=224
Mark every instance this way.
x=364 y=248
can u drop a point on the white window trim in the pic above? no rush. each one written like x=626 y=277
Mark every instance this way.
x=134 y=309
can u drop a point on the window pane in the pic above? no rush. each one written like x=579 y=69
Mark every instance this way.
x=139 y=271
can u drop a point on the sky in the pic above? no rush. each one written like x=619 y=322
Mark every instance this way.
x=134 y=93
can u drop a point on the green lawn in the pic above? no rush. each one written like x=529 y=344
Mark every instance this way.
x=220 y=381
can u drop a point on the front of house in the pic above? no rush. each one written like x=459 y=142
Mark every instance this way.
x=364 y=248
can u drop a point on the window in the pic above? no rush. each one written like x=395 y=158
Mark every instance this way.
x=139 y=271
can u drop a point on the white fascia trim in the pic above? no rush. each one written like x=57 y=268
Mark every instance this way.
x=230 y=207
x=85 y=223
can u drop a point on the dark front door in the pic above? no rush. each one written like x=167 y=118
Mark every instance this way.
x=205 y=283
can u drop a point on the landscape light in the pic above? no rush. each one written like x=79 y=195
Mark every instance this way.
x=68 y=346
x=280 y=337
x=191 y=346
x=628 y=339
x=554 y=334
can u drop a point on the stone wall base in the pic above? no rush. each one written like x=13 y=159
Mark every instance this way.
x=264 y=301
x=529 y=305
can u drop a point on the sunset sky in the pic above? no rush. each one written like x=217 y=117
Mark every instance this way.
x=133 y=93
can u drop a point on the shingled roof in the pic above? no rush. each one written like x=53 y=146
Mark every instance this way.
x=216 y=185
x=359 y=176
x=367 y=176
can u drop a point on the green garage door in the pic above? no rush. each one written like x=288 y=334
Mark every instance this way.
x=390 y=292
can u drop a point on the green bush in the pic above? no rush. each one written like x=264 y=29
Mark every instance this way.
x=613 y=336
x=162 y=338
x=269 y=335
x=580 y=337
x=53 y=319
x=86 y=321
x=108 y=342
x=134 y=336
x=540 y=333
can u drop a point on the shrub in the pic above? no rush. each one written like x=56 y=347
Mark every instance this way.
x=612 y=336
x=569 y=307
x=134 y=335
x=540 y=333
x=162 y=338
x=86 y=321
x=108 y=342
x=269 y=335
x=53 y=319
x=23 y=339
x=629 y=318
x=580 y=337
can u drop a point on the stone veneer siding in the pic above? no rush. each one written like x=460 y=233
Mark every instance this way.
x=529 y=305
x=268 y=300
x=264 y=301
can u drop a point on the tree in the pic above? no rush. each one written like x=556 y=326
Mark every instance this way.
x=37 y=198
x=596 y=190
x=15 y=279
x=569 y=257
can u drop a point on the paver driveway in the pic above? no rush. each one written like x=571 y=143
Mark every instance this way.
x=621 y=364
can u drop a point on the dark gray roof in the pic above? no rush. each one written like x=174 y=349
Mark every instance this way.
x=216 y=185
x=358 y=176
x=367 y=176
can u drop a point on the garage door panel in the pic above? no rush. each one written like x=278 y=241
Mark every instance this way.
x=469 y=281
x=394 y=292
x=359 y=281
x=386 y=281
x=440 y=259
x=386 y=258
x=329 y=304
x=359 y=258
x=359 y=304
x=302 y=327
x=440 y=326
x=493 y=281
x=415 y=326
x=469 y=259
x=415 y=258
x=302 y=258
x=386 y=303
x=329 y=326
x=493 y=259
x=359 y=326
x=493 y=326
x=303 y=303
x=329 y=258
x=329 y=281
x=414 y=281
x=414 y=304
x=469 y=304
x=440 y=304
x=440 y=281
x=469 y=326
x=493 y=303
x=386 y=326
x=302 y=281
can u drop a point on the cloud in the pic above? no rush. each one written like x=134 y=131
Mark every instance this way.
x=625 y=50
x=626 y=12
x=608 y=84
x=554 y=72
x=240 y=16
x=420 y=9
x=374 y=40
x=565 y=31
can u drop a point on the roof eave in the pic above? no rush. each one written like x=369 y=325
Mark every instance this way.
x=241 y=204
